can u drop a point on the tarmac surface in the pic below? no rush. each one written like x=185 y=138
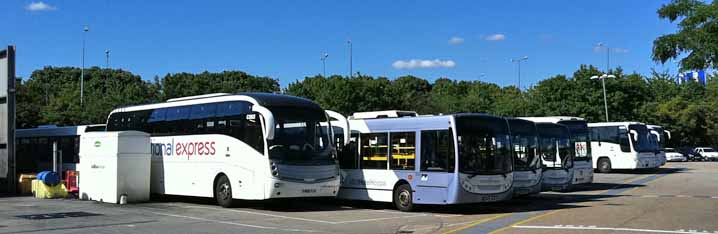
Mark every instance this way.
x=678 y=198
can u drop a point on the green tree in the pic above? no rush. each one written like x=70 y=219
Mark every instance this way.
x=697 y=35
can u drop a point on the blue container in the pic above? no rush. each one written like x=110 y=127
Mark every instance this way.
x=49 y=178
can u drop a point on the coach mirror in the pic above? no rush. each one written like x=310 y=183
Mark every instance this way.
x=269 y=123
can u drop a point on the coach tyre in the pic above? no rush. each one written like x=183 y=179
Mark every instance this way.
x=223 y=192
x=403 y=198
x=604 y=165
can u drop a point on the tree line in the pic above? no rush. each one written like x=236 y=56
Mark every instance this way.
x=690 y=110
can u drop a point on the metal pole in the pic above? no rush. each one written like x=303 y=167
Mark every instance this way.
x=107 y=58
x=519 y=75
x=324 y=68
x=55 y=168
x=605 y=102
x=350 y=58
x=82 y=70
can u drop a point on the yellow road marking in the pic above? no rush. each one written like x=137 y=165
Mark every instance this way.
x=476 y=223
x=525 y=221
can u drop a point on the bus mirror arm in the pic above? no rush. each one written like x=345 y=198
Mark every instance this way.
x=268 y=119
x=343 y=122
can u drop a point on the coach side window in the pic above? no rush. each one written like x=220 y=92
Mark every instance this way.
x=236 y=119
x=437 y=150
x=202 y=117
x=176 y=118
x=156 y=124
x=374 y=151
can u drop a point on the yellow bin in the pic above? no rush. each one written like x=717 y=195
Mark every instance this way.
x=41 y=190
x=24 y=186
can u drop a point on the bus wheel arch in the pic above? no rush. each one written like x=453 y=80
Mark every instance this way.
x=603 y=165
x=222 y=190
x=402 y=196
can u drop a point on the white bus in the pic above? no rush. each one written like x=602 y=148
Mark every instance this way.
x=556 y=154
x=252 y=146
x=621 y=145
x=659 y=138
x=445 y=159
x=580 y=141
x=527 y=163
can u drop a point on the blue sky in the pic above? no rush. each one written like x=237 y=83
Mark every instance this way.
x=285 y=39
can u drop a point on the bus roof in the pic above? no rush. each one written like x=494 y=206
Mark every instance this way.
x=521 y=126
x=606 y=124
x=552 y=119
x=256 y=98
x=409 y=123
x=53 y=131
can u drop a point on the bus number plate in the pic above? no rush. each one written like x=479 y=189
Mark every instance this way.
x=309 y=190
x=489 y=198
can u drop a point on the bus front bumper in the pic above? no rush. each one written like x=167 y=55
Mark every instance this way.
x=527 y=182
x=555 y=180
x=277 y=188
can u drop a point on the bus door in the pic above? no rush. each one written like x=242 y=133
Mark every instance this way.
x=436 y=170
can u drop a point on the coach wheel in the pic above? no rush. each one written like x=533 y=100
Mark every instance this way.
x=604 y=165
x=403 y=198
x=223 y=192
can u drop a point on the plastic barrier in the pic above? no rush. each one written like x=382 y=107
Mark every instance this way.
x=42 y=190
x=71 y=177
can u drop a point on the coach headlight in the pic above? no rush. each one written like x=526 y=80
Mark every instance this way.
x=274 y=169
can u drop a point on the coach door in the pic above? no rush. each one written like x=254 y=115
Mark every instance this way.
x=436 y=167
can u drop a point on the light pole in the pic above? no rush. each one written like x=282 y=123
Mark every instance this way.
x=82 y=70
x=518 y=61
x=324 y=64
x=608 y=56
x=107 y=58
x=603 y=81
x=350 y=58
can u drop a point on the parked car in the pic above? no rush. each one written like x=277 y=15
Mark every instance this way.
x=674 y=156
x=708 y=153
x=690 y=154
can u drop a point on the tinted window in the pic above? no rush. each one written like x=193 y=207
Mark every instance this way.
x=349 y=154
x=203 y=111
x=177 y=113
x=437 y=150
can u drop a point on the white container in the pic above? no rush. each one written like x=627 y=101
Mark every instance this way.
x=113 y=164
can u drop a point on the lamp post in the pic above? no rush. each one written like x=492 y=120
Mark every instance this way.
x=107 y=58
x=82 y=70
x=518 y=61
x=350 y=58
x=324 y=64
x=603 y=82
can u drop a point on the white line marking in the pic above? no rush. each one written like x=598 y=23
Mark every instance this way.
x=462 y=223
x=263 y=214
x=448 y=216
x=649 y=196
x=377 y=219
x=232 y=223
x=609 y=229
x=683 y=196
x=311 y=220
x=716 y=197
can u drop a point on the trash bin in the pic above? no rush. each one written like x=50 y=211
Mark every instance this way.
x=24 y=185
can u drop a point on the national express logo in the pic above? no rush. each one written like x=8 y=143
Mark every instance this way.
x=184 y=149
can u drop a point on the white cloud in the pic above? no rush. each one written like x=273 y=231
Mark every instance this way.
x=421 y=63
x=456 y=41
x=39 y=6
x=495 y=37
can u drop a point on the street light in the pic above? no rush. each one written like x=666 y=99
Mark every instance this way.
x=107 y=58
x=324 y=65
x=603 y=81
x=350 y=57
x=518 y=61
x=82 y=70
